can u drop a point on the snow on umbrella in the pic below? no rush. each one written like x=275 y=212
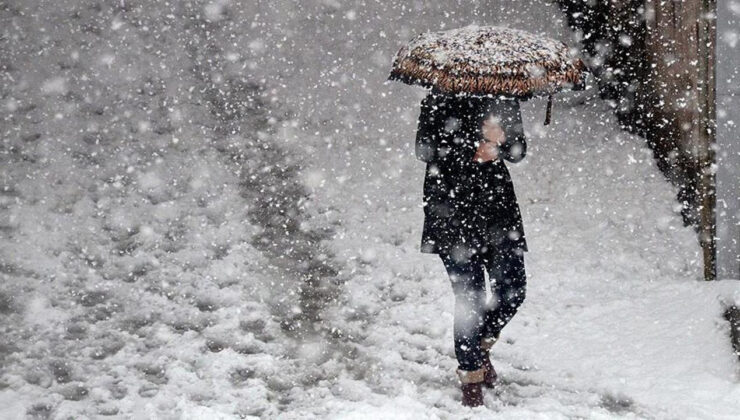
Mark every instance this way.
x=485 y=60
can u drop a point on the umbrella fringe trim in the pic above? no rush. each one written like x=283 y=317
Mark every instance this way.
x=519 y=82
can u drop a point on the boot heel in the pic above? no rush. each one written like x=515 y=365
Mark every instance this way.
x=490 y=377
x=471 y=382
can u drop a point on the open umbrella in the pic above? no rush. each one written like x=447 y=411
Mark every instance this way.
x=485 y=60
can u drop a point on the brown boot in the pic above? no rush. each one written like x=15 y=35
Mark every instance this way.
x=471 y=382
x=485 y=347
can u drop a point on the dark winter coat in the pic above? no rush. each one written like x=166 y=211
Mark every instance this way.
x=468 y=205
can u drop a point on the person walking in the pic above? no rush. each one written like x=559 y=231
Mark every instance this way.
x=472 y=219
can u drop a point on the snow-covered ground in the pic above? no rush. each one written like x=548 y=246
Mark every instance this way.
x=213 y=211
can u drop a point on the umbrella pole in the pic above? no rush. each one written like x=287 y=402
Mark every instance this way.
x=548 y=113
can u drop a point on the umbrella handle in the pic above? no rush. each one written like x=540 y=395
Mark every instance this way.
x=548 y=113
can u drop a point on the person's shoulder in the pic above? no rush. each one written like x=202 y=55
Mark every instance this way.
x=504 y=105
x=500 y=100
x=436 y=96
x=438 y=101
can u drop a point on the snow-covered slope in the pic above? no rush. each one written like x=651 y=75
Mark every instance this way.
x=148 y=184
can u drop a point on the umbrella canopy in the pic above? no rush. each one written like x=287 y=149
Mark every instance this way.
x=488 y=60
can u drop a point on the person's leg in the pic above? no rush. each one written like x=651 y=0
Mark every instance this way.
x=468 y=285
x=508 y=283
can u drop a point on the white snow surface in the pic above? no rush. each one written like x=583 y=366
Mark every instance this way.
x=134 y=283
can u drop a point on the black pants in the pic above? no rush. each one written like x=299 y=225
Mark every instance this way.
x=474 y=317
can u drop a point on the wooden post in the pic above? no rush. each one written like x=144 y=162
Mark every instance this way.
x=706 y=30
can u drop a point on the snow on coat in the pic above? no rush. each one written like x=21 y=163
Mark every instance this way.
x=468 y=205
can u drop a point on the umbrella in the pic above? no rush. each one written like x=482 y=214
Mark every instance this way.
x=483 y=60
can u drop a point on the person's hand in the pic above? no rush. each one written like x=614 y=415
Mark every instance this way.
x=493 y=132
x=494 y=136
x=486 y=151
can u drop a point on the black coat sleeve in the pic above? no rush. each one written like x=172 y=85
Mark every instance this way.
x=441 y=135
x=515 y=147
x=430 y=127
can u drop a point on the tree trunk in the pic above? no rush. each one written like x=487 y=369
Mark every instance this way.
x=656 y=58
x=680 y=44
